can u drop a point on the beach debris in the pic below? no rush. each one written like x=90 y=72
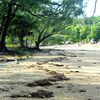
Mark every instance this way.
x=37 y=94
x=94 y=62
x=6 y=60
x=57 y=76
x=46 y=70
x=61 y=54
x=42 y=82
x=59 y=59
x=82 y=90
x=79 y=66
x=77 y=71
x=42 y=94
x=41 y=63
x=72 y=88
x=47 y=81
x=74 y=71
x=4 y=89
x=52 y=72
x=59 y=65
x=79 y=60
x=60 y=77
x=59 y=86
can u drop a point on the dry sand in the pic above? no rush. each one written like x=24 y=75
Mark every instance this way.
x=80 y=64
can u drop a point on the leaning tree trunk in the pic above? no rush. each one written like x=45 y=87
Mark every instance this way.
x=37 y=45
x=40 y=40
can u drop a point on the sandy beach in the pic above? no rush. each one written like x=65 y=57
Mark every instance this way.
x=59 y=72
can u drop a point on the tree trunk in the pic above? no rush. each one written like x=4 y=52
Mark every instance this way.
x=3 y=34
x=5 y=24
x=37 y=44
x=2 y=43
x=21 y=42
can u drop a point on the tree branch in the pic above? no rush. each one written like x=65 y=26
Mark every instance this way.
x=35 y=15
x=95 y=7
x=45 y=37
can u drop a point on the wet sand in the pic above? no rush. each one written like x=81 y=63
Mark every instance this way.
x=77 y=72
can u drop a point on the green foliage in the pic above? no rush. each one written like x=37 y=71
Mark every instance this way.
x=84 y=32
x=56 y=39
x=38 y=19
x=12 y=40
x=97 y=31
x=21 y=25
x=92 y=32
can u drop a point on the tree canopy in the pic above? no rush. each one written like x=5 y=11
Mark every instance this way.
x=36 y=18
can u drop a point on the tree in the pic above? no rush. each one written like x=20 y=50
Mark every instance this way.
x=56 y=17
x=57 y=14
x=10 y=9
